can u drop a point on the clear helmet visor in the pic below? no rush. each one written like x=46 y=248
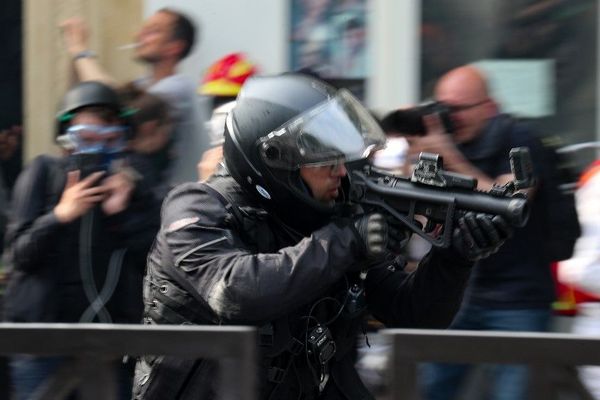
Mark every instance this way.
x=337 y=130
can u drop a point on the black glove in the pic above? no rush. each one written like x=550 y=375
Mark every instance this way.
x=398 y=235
x=373 y=230
x=480 y=235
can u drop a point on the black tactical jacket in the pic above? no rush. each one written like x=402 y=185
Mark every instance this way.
x=224 y=260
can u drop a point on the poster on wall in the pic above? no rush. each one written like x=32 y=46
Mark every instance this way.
x=328 y=37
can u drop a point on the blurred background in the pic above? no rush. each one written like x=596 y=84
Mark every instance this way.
x=541 y=55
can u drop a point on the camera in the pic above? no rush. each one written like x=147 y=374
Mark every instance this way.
x=320 y=344
x=410 y=121
x=89 y=163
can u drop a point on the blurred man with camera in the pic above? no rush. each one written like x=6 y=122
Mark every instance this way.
x=513 y=289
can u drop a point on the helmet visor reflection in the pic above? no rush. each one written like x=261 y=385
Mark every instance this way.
x=337 y=130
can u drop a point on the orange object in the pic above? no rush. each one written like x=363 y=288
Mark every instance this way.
x=568 y=296
x=226 y=76
x=592 y=170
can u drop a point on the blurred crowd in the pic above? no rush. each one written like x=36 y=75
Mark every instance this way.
x=95 y=209
x=79 y=225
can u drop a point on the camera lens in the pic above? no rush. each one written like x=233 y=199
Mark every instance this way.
x=410 y=121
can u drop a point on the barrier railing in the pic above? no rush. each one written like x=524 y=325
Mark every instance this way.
x=543 y=352
x=93 y=347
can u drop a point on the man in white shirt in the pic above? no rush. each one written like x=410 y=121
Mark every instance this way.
x=165 y=39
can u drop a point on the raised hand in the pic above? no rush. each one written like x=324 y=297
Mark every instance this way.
x=75 y=35
x=119 y=188
x=79 y=196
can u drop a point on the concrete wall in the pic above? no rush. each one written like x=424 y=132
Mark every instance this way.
x=395 y=54
x=258 y=28
x=47 y=66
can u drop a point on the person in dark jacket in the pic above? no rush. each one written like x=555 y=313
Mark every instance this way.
x=274 y=242
x=513 y=289
x=80 y=229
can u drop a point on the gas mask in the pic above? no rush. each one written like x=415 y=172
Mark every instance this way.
x=95 y=147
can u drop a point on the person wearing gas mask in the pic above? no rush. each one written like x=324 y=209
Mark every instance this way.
x=80 y=229
x=275 y=243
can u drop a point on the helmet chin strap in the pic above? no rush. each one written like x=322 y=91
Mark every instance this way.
x=304 y=186
x=329 y=208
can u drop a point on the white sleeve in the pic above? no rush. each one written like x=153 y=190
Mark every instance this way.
x=178 y=91
x=583 y=269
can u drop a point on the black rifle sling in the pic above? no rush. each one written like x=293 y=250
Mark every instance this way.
x=229 y=205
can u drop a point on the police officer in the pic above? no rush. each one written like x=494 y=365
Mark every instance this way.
x=275 y=243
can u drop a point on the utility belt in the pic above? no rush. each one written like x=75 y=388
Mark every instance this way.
x=277 y=364
x=315 y=351
x=312 y=344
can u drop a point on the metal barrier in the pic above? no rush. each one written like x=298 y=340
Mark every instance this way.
x=542 y=351
x=94 y=346
x=573 y=148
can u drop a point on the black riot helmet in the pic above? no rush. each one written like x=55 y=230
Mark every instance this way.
x=281 y=123
x=87 y=94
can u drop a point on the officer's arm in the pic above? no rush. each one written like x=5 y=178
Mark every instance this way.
x=241 y=285
x=428 y=297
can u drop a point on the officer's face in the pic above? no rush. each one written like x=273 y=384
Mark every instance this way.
x=324 y=181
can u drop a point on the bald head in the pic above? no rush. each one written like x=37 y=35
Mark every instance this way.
x=465 y=90
x=464 y=81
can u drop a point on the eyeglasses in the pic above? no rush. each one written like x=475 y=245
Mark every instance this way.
x=458 y=108
x=333 y=166
x=329 y=163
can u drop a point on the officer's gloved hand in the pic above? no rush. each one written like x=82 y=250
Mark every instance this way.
x=480 y=235
x=398 y=235
x=373 y=230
